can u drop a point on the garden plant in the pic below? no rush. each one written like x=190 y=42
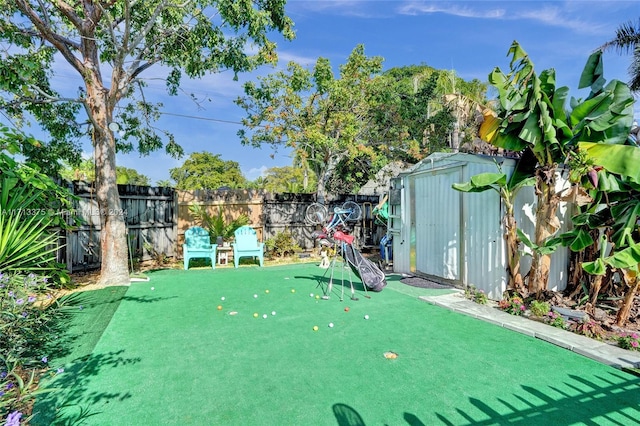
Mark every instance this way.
x=30 y=205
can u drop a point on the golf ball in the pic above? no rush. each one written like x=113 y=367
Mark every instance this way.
x=266 y=291
x=315 y=328
x=264 y=316
x=366 y=317
x=153 y=288
x=255 y=315
x=330 y=325
x=293 y=290
x=273 y=312
x=255 y=295
x=310 y=294
x=222 y=298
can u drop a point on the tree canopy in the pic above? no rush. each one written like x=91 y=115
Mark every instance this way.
x=109 y=46
x=345 y=128
x=85 y=171
x=287 y=179
x=203 y=170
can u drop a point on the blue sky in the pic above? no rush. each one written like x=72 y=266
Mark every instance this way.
x=470 y=37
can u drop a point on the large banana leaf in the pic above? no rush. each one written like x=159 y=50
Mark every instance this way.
x=619 y=159
x=628 y=258
x=482 y=182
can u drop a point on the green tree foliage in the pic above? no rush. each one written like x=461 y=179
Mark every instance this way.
x=31 y=204
x=85 y=171
x=325 y=119
x=127 y=176
x=203 y=170
x=164 y=182
x=433 y=104
x=345 y=128
x=287 y=179
x=110 y=46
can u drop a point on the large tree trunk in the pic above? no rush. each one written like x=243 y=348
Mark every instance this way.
x=547 y=224
x=113 y=235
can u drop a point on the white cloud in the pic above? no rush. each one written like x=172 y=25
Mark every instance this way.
x=254 y=173
x=560 y=14
x=352 y=8
x=419 y=8
x=284 y=57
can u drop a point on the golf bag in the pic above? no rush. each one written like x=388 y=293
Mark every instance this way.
x=366 y=270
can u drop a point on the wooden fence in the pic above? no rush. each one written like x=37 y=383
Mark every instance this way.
x=151 y=220
x=157 y=218
x=270 y=213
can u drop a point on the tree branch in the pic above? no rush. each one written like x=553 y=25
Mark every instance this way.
x=63 y=44
x=69 y=13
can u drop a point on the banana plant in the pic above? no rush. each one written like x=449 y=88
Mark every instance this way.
x=507 y=188
x=533 y=115
x=614 y=213
x=626 y=261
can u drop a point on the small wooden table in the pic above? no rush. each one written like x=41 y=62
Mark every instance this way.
x=223 y=254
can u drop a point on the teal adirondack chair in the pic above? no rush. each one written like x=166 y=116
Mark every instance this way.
x=197 y=244
x=246 y=244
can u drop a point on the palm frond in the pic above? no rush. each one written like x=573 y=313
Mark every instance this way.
x=626 y=40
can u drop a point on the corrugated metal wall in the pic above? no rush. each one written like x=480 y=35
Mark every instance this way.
x=458 y=237
x=437 y=223
x=483 y=230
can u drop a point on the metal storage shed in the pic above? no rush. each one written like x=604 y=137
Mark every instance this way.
x=455 y=237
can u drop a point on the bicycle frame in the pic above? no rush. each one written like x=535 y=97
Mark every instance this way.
x=337 y=220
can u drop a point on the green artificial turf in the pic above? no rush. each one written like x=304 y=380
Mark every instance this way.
x=87 y=315
x=170 y=357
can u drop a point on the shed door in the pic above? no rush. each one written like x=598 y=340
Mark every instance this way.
x=437 y=223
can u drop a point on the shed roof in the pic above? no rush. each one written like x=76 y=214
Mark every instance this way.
x=440 y=159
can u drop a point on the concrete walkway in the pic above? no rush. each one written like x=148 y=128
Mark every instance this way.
x=594 y=349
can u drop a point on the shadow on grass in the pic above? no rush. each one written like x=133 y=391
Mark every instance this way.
x=347 y=416
x=146 y=299
x=72 y=402
x=593 y=404
x=84 y=317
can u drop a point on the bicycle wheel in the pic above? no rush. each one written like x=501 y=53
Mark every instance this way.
x=316 y=214
x=355 y=212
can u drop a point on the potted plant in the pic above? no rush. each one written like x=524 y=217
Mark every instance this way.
x=216 y=225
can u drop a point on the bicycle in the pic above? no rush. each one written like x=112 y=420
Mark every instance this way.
x=317 y=214
x=335 y=227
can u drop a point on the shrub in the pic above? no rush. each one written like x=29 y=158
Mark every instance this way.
x=282 y=244
x=588 y=328
x=513 y=305
x=556 y=320
x=630 y=341
x=29 y=325
x=216 y=225
x=478 y=296
x=539 y=309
